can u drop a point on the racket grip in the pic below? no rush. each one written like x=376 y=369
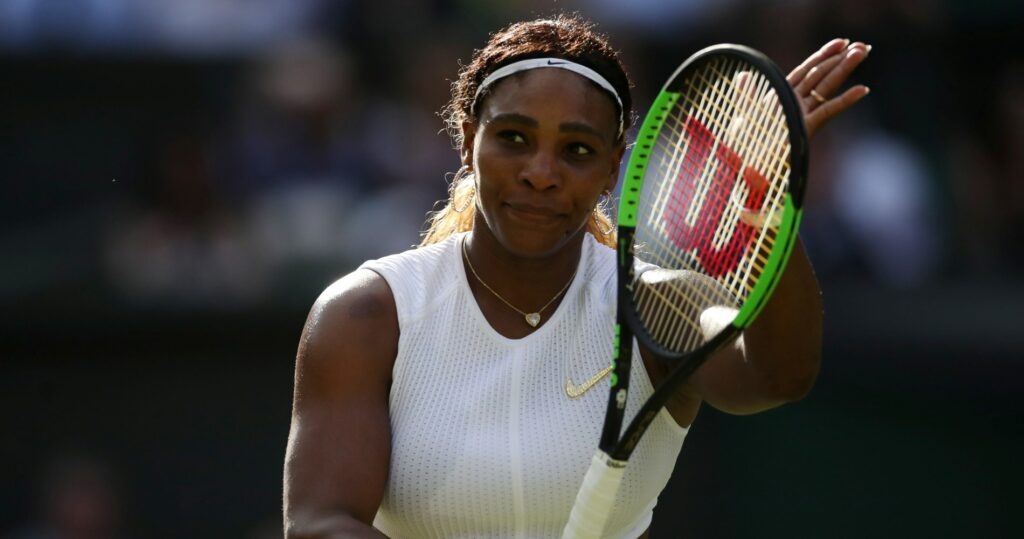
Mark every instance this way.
x=595 y=499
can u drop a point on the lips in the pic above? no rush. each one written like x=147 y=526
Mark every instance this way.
x=534 y=213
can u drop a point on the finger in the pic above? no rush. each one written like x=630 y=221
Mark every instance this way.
x=834 y=78
x=743 y=100
x=845 y=100
x=741 y=80
x=758 y=218
x=829 y=109
x=829 y=49
x=743 y=85
x=815 y=75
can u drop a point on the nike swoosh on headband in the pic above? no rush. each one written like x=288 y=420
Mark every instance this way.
x=558 y=63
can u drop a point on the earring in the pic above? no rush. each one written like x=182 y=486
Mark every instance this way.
x=463 y=171
x=598 y=213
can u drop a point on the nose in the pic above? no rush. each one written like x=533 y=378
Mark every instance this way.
x=541 y=171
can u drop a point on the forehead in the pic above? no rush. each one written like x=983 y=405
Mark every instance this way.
x=549 y=94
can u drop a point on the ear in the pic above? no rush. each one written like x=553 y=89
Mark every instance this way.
x=468 y=143
x=616 y=166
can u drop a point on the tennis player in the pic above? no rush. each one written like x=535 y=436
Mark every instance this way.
x=447 y=391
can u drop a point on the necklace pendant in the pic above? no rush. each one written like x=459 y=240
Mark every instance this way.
x=533 y=319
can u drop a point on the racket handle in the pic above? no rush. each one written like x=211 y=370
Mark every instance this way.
x=595 y=499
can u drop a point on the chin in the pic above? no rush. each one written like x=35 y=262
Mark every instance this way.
x=536 y=243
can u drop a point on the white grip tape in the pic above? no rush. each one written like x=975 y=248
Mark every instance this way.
x=595 y=498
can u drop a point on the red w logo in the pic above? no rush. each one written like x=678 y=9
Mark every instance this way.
x=699 y=237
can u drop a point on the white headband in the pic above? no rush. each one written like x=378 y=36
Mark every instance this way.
x=560 y=63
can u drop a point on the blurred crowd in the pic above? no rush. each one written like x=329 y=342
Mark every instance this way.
x=241 y=154
x=78 y=496
x=305 y=137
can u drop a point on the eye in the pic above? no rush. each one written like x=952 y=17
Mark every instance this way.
x=578 y=149
x=512 y=136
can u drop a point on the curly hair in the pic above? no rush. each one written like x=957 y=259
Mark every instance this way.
x=565 y=36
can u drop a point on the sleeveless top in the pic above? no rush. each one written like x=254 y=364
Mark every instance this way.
x=485 y=441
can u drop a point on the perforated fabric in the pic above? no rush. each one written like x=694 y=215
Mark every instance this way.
x=485 y=441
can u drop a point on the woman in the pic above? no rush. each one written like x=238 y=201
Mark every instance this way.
x=429 y=396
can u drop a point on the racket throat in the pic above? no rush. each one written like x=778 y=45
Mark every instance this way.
x=619 y=384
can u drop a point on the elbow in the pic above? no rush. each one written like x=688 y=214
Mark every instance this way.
x=793 y=378
x=796 y=381
x=291 y=531
x=786 y=375
x=322 y=526
x=300 y=528
x=309 y=528
x=798 y=388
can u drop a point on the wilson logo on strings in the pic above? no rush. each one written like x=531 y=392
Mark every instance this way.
x=717 y=191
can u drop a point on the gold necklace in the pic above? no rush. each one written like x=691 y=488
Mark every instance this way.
x=531 y=318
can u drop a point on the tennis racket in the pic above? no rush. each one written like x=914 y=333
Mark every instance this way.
x=708 y=215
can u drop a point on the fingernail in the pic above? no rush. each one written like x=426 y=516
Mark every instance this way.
x=869 y=48
x=867 y=90
x=846 y=42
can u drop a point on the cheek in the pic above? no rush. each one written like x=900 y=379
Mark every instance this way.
x=589 y=208
x=488 y=191
x=491 y=159
x=493 y=172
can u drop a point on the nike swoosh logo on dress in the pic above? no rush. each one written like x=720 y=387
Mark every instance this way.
x=575 y=391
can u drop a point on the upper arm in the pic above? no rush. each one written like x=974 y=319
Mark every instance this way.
x=336 y=463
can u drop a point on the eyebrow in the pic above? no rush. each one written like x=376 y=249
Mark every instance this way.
x=570 y=127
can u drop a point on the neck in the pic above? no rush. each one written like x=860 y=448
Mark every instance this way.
x=501 y=264
x=528 y=282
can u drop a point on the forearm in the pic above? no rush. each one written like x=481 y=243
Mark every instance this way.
x=783 y=345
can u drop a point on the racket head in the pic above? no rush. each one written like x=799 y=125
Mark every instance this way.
x=711 y=199
x=710 y=206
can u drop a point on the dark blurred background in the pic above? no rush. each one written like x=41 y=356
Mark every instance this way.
x=180 y=179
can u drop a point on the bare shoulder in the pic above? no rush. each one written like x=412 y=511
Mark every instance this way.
x=335 y=480
x=362 y=295
x=352 y=325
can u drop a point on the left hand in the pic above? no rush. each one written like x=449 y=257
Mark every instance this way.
x=821 y=75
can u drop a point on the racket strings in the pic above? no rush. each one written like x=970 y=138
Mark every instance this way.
x=756 y=121
x=718 y=177
x=761 y=123
x=698 y=203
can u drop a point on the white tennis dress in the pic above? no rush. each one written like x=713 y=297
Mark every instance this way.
x=485 y=440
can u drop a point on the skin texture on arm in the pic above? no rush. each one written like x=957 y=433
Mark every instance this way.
x=338 y=452
x=776 y=360
x=773 y=362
